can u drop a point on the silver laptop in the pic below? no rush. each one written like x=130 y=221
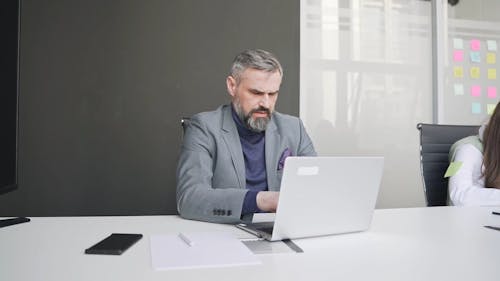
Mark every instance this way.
x=323 y=196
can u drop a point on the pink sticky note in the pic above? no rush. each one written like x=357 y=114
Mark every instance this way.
x=475 y=91
x=458 y=55
x=492 y=92
x=475 y=44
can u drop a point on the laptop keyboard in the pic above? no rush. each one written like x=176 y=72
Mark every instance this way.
x=266 y=229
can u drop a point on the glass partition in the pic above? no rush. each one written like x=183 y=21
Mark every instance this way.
x=366 y=81
x=471 y=82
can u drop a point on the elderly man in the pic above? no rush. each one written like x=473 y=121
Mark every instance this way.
x=232 y=158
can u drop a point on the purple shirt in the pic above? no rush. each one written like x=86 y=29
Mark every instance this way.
x=253 y=146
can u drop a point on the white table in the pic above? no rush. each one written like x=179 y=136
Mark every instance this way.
x=439 y=243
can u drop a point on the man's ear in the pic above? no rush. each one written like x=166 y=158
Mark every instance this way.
x=231 y=85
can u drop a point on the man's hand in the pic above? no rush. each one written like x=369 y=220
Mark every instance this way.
x=267 y=201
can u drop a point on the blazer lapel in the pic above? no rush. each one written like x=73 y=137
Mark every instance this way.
x=232 y=140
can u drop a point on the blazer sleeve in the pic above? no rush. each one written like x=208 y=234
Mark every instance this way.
x=306 y=147
x=466 y=187
x=196 y=198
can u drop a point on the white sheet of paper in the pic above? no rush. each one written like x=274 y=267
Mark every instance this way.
x=209 y=249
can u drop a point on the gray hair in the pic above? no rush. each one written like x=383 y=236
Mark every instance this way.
x=256 y=59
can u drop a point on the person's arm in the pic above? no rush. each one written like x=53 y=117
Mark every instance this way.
x=197 y=199
x=466 y=187
x=267 y=201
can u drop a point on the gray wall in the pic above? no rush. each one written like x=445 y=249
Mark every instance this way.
x=105 y=83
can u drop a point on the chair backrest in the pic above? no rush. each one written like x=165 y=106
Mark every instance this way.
x=435 y=143
x=184 y=123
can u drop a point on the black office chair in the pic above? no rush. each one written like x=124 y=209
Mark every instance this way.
x=435 y=143
x=184 y=123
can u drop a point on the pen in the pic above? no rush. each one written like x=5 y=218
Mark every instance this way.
x=495 y=213
x=185 y=239
x=492 y=227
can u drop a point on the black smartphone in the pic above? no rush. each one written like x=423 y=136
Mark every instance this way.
x=114 y=244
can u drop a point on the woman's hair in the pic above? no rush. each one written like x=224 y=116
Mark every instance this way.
x=491 y=143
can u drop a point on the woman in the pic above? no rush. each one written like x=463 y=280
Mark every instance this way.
x=477 y=181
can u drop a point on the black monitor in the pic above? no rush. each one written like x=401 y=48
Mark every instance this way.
x=9 y=89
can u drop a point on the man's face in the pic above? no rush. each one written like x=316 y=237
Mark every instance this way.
x=255 y=96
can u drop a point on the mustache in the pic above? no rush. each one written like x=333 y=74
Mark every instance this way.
x=260 y=109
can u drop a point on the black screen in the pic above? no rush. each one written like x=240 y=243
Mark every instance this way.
x=9 y=58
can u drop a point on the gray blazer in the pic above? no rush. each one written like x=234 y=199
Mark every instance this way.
x=211 y=184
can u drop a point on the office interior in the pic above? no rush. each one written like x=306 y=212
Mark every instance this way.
x=103 y=86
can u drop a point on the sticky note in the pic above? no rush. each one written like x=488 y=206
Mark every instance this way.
x=490 y=108
x=492 y=73
x=458 y=89
x=474 y=72
x=453 y=169
x=475 y=57
x=458 y=55
x=492 y=92
x=458 y=43
x=475 y=45
x=476 y=108
x=492 y=45
x=458 y=72
x=491 y=58
x=475 y=91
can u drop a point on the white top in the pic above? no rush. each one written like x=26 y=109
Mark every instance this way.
x=466 y=187
x=438 y=243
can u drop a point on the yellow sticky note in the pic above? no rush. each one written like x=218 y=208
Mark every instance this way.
x=458 y=71
x=453 y=169
x=490 y=108
x=474 y=72
x=492 y=73
x=491 y=58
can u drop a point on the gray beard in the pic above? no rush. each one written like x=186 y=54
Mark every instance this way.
x=257 y=125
